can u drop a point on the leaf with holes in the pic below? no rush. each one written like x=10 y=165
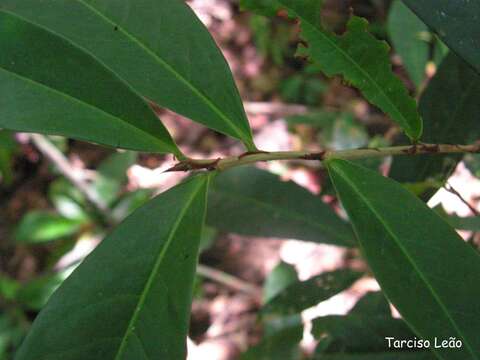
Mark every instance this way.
x=360 y=58
x=158 y=46
x=424 y=268
x=131 y=298
x=48 y=85
x=301 y=295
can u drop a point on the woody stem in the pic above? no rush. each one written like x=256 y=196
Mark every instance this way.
x=226 y=163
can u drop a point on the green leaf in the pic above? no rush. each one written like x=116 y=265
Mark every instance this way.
x=359 y=332
x=282 y=345
x=363 y=330
x=71 y=95
x=359 y=57
x=112 y=174
x=35 y=294
x=158 y=46
x=208 y=238
x=449 y=108
x=279 y=278
x=8 y=287
x=391 y=355
x=130 y=202
x=8 y=147
x=409 y=37
x=347 y=133
x=456 y=22
x=13 y=326
x=425 y=269
x=319 y=119
x=41 y=226
x=470 y=223
x=373 y=303
x=68 y=200
x=253 y=202
x=304 y=294
x=130 y=298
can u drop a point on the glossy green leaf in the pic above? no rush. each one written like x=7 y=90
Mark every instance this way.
x=253 y=202
x=449 y=108
x=304 y=294
x=456 y=22
x=425 y=269
x=130 y=298
x=360 y=58
x=409 y=37
x=42 y=226
x=158 y=46
x=71 y=95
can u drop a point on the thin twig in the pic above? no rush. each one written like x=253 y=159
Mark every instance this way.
x=71 y=174
x=452 y=190
x=229 y=280
x=271 y=108
x=259 y=156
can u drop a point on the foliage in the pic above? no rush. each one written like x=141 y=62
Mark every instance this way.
x=356 y=55
x=94 y=76
x=410 y=38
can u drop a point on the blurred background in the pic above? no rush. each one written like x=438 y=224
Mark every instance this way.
x=59 y=197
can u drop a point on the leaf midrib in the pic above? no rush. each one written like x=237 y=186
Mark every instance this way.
x=85 y=104
x=78 y=100
x=170 y=69
x=352 y=61
x=286 y=213
x=405 y=253
x=156 y=268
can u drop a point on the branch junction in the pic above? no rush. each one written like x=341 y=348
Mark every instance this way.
x=248 y=158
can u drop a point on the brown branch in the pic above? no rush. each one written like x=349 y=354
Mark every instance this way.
x=452 y=190
x=229 y=280
x=260 y=156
